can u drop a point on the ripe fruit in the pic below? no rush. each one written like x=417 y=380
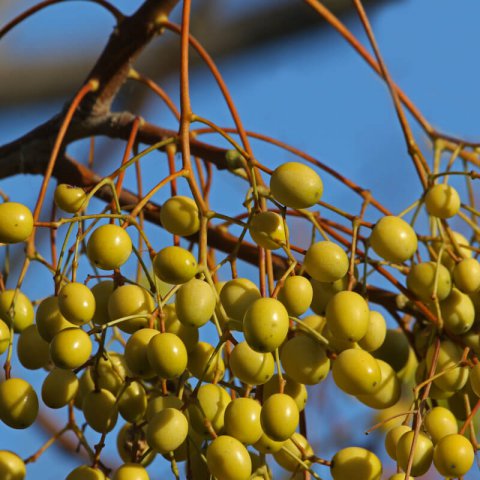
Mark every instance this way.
x=109 y=247
x=188 y=335
x=242 y=420
x=22 y=309
x=442 y=201
x=393 y=239
x=392 y=437
x=174 y=265
x=101 y=292
x=59 y=387
x=440 y=422
x=422 y=453
x=292 y=445
x=85 y=473
x=355 y=462
x=251 y=367
x=100 y=410
x=4 y=336
x=296 y=390
x=279 y=417
x=348 y=316
x=459 y=245
x=326 y=261
x=50 y=320
x=228 y=459
x=167 y=355
x=376 y=332
x=267 y=230
x=167 y=430
x=136 y=355
x=11 y=466
x=201 y=364
x=76 y=303
x=179 y=215
x=466 y=275
x=394 y=350
x=195 y=303
x=16 y=222
x=421 y=281
x=131 y=471
x=265 y=324
x=237 y=295
x=356 y=372
x=132 y=402
x=324 y=291
x=267 y=445
x=18 y=403
x=69 y=198
x=296 y=185
x=458 y=312
x=453 y=455
x=70 y=348
x=296 y=295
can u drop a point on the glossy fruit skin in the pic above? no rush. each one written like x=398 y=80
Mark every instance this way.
x=100 y=410
x=174 y=265
x=421 y=281
x=188 y=335
x=158 y=403
x=4 y=336
x=11 y=466
x=32 y=350
x=198 y=358
x=296 y=295
x=326 y=261
x=392 y=437
x=267 y=445
x=458 y=312
x=167 y=430
x=50 y=320
x=16 y=222
x=442 y=201
x=23 y=314
x=167 y=355
x=279 y=417
x=267 y=230
x=228 y=459
x=242 y=420
x=440 y=422
x=296 y=390
x=85 y=473
x=422 y=454
x=266 y=324
x=285 y=460
x=195 y=303
x=179 y=215
x=453 y=455
x=101 y=292
x=109 y=247
x=305 y=360
x=393 y=239
x=59 y=387
x=459 y=245
x=324 y=291
x=131 y=471
x=237 y=295
x=129 y=300
x=251 y=367
x=132 y=402
x=110 y=372
x=76 y=303
x=296 y=185
x=69 y=198
x=136 y=355
x=348 y=316
x=376 y=332
x=356 y=372
x=18 y=403
x=70 y=348
x=466 y=275
x=355 y=462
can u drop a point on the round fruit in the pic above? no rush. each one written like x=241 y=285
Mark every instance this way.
x=392 y=437
x=440 y=422
x=228 y=459
x=4 y=336
x=179 y=215
x=475 y=379
x=167 y=355
x=356 y=372
x=376 y=332
x=459 y=245
x=267 y=445
x=237 y=295
x=394 y=350
x=11 y=466
x=174 y=265
x=422 y=453
x=324 y=291
x=296 y=185
x=195 y=303
x=100 y=410
x=442 y=201
x=109 y=373
x=421 y=281
x=453 y=455
x=69 y=198
x=50 y=320
x=296 y=295
x=458 y=312
x=70 y=348
x=266 y=324
x=18 y=403
x=326 y=261
x=268 y=230
x=348 y=316
x=279 y=417
x=85 y=473
x=59 y=387
x=159 y=402
x=188 y=335
x=251 y=367
x=76 y=303
x=16 y=222
x=355 y=462
x=242 y=420
x=296 y=390
x=202 y=365
x=32 y=350
x=101 y=292
x=132 y=402
x=167 y=430
x=109 y=247
x=393 y=239
x=136 y=355
x=305 y=360
x=127 y=301
x=131 y=471
x=292 y=446
x=466 y=275
x=22 y=309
